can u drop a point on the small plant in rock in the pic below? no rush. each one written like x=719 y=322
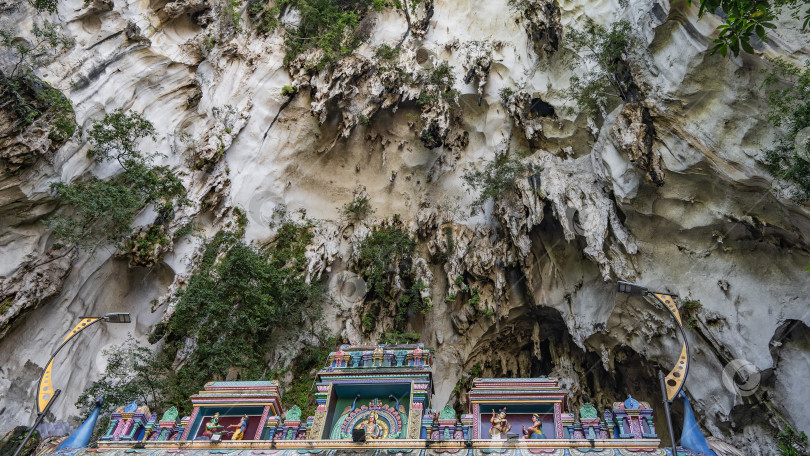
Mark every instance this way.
x=288 y=91
x=505 y=93
x=386 y=53
x=439 y=81
x=495 y=178
x=357 y=209
x=233 y=13
x=689 y=311
x=475 y=297
x=396 y=338
x=48 y=39
x=791 y=443
x=788 y=89
x=335 y=28
x=45 y=6
x=465 y=381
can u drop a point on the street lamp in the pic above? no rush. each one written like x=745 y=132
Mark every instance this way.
x=45 y=392
x=672 y=383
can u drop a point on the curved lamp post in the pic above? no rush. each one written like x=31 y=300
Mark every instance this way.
x=45 y=392
x=672 y=383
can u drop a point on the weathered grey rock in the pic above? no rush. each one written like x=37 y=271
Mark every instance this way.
x=543 y=258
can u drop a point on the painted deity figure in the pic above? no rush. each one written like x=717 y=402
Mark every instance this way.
x=212 y=426
x=500 y=426
x=373 y=429
x=535 y=431
x=239 y=433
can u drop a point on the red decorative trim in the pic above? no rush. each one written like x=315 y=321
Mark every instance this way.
x=558 y=419
x=477 y=421
x=191 y=419
x=262 y=422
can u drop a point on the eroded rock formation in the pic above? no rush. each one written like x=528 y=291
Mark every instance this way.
x=526 y=288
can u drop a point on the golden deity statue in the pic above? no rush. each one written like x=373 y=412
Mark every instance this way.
x=374 y=429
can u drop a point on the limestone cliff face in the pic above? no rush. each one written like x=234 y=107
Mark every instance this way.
x=685 y=208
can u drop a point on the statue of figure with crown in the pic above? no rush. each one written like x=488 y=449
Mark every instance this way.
x=213 y=426
x=374 y=430
x=500 y=426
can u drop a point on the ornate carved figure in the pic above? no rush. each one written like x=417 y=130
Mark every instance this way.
x=239 y=433
x=500 y=426
x=212 y=426
x=535 y=431
x=374 y=430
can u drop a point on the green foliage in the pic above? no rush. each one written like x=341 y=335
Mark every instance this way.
x=332 y=26
x=496 y=178
x=505 y=93
x=104 y=209
x=441 y=75
x=439 y=81
x=386 y=53
x=475 y=297
x=304 y=367
x=133 y=373
x=47 y=40
x=233 y=13
x=357 y=209
x=605 y=49
x=34 y=101
x=689 y=311
x=465 y=381
x=31 y=99
x=396 y=338
x=790 y=443
x=382 y=256
x=44 y=6
x=12 y=441
x=788 y=89
x=745 y=19
x=288 y=91
x=146 y=246
x=238 y=301
x=117 y=136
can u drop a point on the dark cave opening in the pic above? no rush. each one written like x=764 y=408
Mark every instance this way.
x=542 y=109
x=537 y=343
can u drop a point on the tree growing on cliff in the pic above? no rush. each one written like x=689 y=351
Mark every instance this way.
x=103 y=210
x=29 y=100
x=608 y=76
x=239 y=303
x=131 y=374
x=788 y=89
x=495 y=178
x=385 y=261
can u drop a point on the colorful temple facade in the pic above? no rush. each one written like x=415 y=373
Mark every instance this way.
x=378 y=398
